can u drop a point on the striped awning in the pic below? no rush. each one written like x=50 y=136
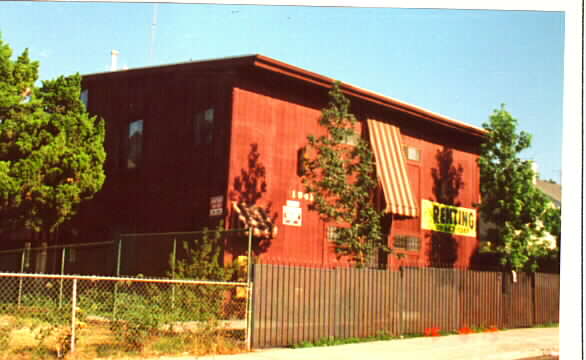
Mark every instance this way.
x=390 y=167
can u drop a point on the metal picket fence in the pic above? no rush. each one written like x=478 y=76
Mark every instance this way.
x=296 y=304
x=65 y=313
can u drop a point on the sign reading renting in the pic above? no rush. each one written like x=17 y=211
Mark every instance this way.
x=449 y=219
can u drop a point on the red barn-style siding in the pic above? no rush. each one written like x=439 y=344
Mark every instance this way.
x=421 y=175
x=279 y=129
x=263 y=111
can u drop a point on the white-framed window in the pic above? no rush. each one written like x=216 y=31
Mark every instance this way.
x=352 y=140
x=135 y=140
x=203 y=127
x=332 y=234
x=412 y=153
x=27 y=96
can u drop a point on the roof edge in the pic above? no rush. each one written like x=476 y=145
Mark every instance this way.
x=271 y=64
x=234 y=60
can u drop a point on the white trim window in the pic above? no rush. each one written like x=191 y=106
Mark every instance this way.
x=135 y=141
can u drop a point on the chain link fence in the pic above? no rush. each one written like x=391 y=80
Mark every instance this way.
x=52 y=315
x=154 y=294
x=142 y=254
x=98 y=258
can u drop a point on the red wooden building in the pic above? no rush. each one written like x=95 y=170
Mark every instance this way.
x=186 y=141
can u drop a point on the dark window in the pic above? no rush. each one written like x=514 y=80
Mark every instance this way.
x=27 y=255
x=135 y=132
x=203 y=127
x=85 y=97
x=409 y=243
x=71 y=255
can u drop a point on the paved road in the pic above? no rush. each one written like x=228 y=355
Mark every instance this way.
x=502 y=345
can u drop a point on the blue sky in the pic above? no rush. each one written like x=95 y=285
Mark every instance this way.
x=459 y=63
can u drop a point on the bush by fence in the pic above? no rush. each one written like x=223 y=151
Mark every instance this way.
x=296 y=304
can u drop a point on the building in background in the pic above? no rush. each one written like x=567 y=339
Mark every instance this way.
x=193 y=144
x=553 y=192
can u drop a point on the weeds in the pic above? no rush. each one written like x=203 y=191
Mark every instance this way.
x=547 y=325
x=332 y=341
x=138 y=320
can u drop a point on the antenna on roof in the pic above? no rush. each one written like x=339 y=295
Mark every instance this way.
x=114 y=60
x=153 y=30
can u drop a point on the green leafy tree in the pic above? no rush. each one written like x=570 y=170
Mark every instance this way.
x=51 y=150
x=509 y=198
x=552 y=220
x=203 y=260
x=342 y=179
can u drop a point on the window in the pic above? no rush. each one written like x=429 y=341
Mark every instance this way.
x=27 y=255
x=203 y=127
x=412 y=153
x=409 y=243
x=27 y=96
x=71 y=255
x=135 y=130
x=352 y=140
x=332 y=234
x=84 y=97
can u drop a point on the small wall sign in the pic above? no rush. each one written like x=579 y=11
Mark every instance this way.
x=292 y=214
x=217 y=205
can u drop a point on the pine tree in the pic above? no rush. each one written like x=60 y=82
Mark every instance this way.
x=342 y=179
x=51 y=150
x=510 y=200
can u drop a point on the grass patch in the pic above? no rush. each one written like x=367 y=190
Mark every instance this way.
x=547 y=325
x=341 y=341
x=32 y=339
x=384 y=336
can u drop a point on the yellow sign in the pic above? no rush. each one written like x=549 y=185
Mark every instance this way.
x=449 y=219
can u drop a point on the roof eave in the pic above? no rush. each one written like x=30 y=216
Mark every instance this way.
x=273 y=65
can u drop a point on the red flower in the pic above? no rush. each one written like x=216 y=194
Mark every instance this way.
x=465 y=330
x=433 y=331
x=491 y=329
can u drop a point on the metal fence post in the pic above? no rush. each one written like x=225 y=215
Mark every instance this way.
x=118 y=260
x=249 y=292
x=22 y=261
x=249 y=317
x=73 y=314
x=249 y=260
x=173 y=271
x=118 y=256
x=61 y=280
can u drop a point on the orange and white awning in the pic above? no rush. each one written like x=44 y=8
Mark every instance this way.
x=390 y=167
